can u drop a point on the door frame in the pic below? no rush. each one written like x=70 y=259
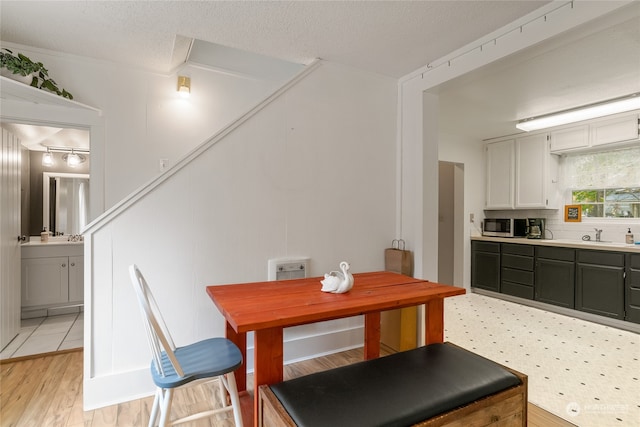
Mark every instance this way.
x=77 y=116
x=451 y=222
x=37 y=110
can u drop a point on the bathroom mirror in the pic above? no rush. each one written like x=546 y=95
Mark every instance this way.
x=65 y=202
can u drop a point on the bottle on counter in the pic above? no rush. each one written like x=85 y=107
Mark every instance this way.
x=44 y=235
x=629 y=237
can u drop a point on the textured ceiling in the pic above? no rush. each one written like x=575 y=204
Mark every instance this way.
x=592 y=63
x=597 y=61
x=392 y=38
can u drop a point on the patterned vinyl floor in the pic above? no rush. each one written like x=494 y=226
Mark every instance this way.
x=586 y=373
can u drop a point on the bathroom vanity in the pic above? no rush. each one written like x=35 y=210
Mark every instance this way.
x=52 y=277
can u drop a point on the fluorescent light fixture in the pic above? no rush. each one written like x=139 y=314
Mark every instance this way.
x=184 y=86
x=600 y=109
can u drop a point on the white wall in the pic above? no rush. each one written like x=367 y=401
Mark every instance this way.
x=311 y=174
x=144 y=118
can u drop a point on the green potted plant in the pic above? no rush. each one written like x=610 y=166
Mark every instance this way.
x=23 y=66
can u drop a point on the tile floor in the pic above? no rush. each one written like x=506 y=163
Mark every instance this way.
x=46 y=334
x=586 y=373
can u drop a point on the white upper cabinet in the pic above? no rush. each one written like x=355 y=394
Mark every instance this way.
x=521 y=174
x=619 y=129
x=571 y=138
x=611 y=131
x=500 y=174
x=536 y=172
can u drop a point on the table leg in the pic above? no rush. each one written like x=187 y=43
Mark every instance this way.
x=434 y=321
x=267 y=362
x=241 y=341
x=372 y=335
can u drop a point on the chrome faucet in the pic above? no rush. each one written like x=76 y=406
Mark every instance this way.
x=598 y=232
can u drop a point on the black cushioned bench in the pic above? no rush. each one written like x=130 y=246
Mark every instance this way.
x=435 y=385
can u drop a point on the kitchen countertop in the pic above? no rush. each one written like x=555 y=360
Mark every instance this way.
x=566 y=243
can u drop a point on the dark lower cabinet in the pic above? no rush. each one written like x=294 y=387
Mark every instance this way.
x=555 y=276
x=632 y=288
x=517 y=270
x=600 y=283
x=606 y=283
x=485 y=265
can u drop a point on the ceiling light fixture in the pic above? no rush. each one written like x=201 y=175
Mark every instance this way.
x=592 y=111
x=47 y=158
x=184 y=86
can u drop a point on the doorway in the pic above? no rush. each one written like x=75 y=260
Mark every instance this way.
x=35 y=333
x=451 y=223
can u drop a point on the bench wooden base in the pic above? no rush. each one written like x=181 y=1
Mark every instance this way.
x=505 y=408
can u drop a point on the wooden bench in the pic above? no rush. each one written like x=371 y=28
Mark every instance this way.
x=435 y=385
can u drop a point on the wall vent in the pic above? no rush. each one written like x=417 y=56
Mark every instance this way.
x=288 y=268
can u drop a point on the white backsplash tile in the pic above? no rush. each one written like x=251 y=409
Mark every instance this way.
x=556 y=228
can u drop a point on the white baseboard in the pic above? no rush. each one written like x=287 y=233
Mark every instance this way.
x=121 y=387
x=310 y=346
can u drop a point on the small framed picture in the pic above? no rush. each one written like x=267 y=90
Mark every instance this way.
x=572 y=213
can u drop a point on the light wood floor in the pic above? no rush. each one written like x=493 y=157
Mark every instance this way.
x=47 y=391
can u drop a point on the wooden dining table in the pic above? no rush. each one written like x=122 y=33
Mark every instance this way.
x=266 y=308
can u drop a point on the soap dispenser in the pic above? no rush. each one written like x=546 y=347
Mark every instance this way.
x=629 y=237
x=44 y=235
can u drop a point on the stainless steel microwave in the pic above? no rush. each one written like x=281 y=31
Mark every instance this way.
x=504 y=227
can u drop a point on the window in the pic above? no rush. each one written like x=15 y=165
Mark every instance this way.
x=608 y=203
x=606 y=184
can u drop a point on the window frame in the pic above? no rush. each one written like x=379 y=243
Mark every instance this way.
x=571 y=201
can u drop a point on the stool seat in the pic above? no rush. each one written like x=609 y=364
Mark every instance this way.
x=203 y=359
x=397 y=390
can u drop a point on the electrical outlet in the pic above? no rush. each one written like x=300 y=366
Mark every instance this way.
x=162 y=164
x=471 y=217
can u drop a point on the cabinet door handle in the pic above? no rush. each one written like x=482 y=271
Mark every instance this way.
x=64 y=265
x=73 y=264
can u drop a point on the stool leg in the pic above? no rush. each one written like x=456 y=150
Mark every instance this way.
x=235 y=399
x=154 y=409
x=165 y=407
x=223 y=391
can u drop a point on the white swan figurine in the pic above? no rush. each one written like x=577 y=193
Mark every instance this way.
x=338 y=282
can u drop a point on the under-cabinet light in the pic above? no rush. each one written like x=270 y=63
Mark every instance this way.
x=592 y=111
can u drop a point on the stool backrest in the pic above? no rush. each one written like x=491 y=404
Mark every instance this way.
x=157 y=332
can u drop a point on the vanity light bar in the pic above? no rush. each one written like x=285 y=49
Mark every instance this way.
x=592 y=111
x=67 y=150
x=72 y=156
